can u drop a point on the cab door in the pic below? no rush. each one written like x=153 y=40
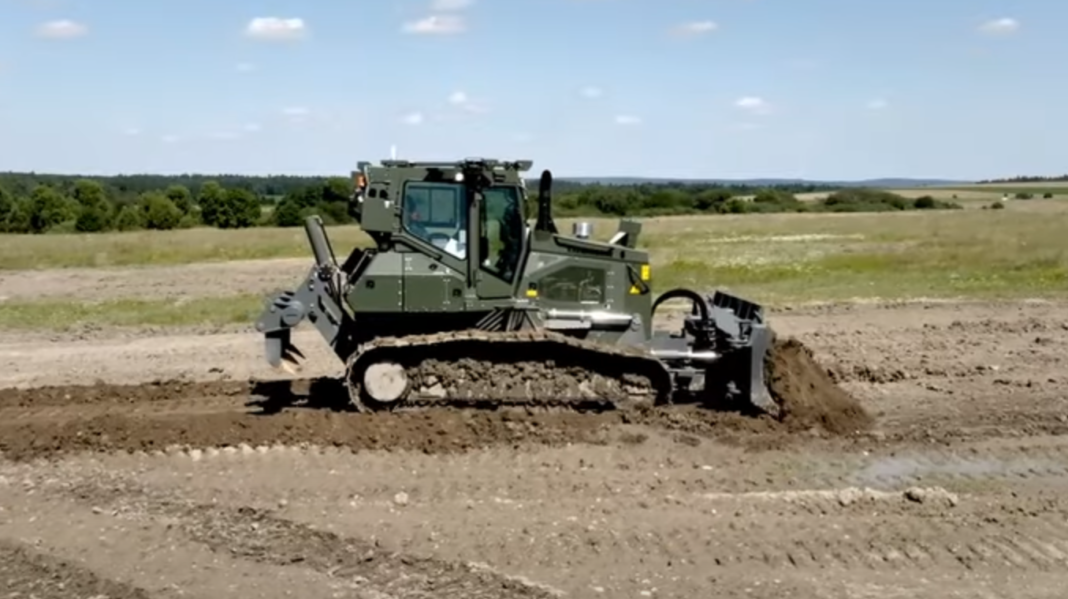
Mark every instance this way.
x=501 y=235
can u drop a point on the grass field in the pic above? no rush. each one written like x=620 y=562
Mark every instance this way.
x=775 y=259
x=970 y=196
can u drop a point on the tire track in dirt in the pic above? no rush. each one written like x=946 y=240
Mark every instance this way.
x=1021 y=462
x=915 y=529
x=895 y=542
x=25 y=572
x=258 y=536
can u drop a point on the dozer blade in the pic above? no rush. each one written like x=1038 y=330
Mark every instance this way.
x=757 y=393
x=281 y=353
x=741 y=327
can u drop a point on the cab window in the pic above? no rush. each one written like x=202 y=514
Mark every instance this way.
x=502 y=229
x=436 y=214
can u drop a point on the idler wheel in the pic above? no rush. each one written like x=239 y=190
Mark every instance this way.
x=386 y=383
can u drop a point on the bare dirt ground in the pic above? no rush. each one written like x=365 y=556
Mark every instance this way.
x=194 y=485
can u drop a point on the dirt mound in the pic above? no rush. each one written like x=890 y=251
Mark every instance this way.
x=807 y=394
x=119 y=394
x=155 y=416
x=437 y=431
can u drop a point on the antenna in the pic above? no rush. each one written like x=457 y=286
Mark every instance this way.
x=393 y=152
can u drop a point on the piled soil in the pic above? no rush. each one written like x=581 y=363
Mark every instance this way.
x=103 y=417
x=99 y=393
x=435 y=431
x=806 y=393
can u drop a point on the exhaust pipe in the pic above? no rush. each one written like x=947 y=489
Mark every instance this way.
x=545 y=198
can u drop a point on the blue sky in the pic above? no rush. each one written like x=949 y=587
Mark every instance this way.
x=821 y=89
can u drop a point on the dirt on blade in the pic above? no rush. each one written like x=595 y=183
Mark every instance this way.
x=807 y=394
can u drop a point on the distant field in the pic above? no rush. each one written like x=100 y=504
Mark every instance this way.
x=970 y=196
x=776 y=259
x=787 y=258
x=992 y=191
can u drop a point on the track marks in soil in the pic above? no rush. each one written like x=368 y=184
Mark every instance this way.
x=258 y=536
x=25 y=572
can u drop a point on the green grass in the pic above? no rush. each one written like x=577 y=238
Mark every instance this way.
x=783 y=259
x=66 y=315
x=774 y=259
x=1057 y=188
x=142 y=248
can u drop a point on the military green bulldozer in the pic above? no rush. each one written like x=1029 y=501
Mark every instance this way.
x=459 y=301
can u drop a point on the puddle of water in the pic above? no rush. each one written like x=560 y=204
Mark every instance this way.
x=905 y=468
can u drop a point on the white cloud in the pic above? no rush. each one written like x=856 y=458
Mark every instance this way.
x=1003 y=26
x=170 y=139
x=450 y=5
x=591 y=92
x=297 y=115
x=252 y=127
x=132 y=132
x=436 y=25
x=62 y=29
x=697 y=27
x=245 y=67
x=464 y=102
x=415 y=118
x=276 y=28
x=225 y=135
x=753 y=104
x=627 y=119
x=878 y=104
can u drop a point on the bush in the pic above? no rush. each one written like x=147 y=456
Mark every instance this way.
x=128 y=219
x=287 y=214
x=924 y=203
x=159 y=212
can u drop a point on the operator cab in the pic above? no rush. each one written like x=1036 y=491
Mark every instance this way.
x=441 y=211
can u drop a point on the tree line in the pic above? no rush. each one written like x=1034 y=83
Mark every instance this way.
x=31 y=203
x=1027 y=179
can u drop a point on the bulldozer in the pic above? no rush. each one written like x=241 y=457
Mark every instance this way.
x=459 y=301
